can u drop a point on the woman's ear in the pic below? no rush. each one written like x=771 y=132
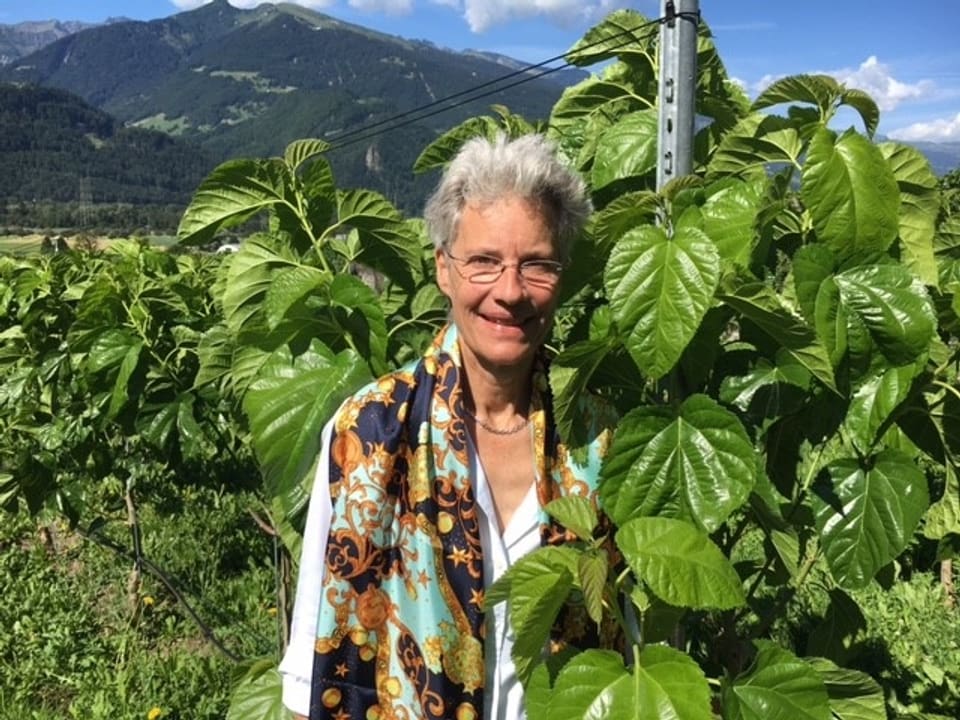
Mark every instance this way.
x=443 y=271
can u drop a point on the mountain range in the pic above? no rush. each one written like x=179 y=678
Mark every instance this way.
x=247 y=82
x=225 y=82
x=26 y=37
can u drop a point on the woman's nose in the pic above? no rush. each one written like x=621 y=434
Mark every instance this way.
x=510 y=286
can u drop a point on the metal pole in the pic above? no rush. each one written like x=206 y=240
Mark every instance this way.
x=678 y=84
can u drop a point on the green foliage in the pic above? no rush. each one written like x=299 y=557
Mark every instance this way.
x=778 y=331
x=910 y=645
x=780 y=311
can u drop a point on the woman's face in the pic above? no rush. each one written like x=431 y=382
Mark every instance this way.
x=503 y=323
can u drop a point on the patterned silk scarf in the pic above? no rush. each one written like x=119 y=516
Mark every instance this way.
x=400 y=625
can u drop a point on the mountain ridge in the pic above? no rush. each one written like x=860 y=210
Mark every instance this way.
x=237 y=82
x=25 y=37
x=247 y=82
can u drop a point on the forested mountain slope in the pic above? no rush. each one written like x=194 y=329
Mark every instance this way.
x=54 y=147
x=247 y=82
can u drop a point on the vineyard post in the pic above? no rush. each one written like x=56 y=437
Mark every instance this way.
x=678 y=85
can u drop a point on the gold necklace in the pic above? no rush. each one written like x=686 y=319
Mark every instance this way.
x=495 y=430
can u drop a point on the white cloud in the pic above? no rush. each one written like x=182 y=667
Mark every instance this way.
x=946 y=130
x=480 y=15
x=874 y=78
x=483 y=14
x=391 y=7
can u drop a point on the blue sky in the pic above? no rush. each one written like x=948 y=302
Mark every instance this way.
x=905 y=53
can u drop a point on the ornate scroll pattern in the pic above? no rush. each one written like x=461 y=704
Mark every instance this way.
x=400 y=627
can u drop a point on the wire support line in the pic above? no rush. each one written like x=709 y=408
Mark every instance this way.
x=159 y=574
x=464 y=96
x=435 y=111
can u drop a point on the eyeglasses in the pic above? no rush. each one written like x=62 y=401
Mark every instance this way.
x=486 y=269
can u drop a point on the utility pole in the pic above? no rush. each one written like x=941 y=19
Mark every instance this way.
x=678 y=84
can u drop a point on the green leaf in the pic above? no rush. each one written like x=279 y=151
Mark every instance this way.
x=259 y=695
x=575 y=513
x=787 y=545
x=874 y=402
x=867 y=514
x=593 y=97
x=387 y=243
x=665 y=684
x=537 y=586
x=318 y=185
x=158 y=427
x=729 y=216
x=215 y=356
x=288 y=286
x=188 y=429
x=233 y=193
x=762 y=306
x=947 y=239
x=812 y=264
x=622 y=214
x=287 y=407
x=121 y=388
x=570 y=374
x=832 y=321
x=585 y=683
x=442 y=150
x=741 y=390
x=865 y=105
x=626 y=150
x=853 y=695
x=619 y=33
x=842 y=627
x=919 y=205
x=820 y=90
x=755 y=144
x=299 y=151
x=779 y=686
x=9 y=489
x=592 y=569
x=851 y=195
x=679 y=563
x=250 y=277
x=894 y=307
x=697 y=466
x=109 y=349
x=356 y=311
x=943 y=517
x=660 y=288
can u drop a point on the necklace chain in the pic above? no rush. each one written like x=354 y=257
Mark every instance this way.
x=495 y=430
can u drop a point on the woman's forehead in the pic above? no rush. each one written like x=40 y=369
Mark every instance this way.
x=505 y=224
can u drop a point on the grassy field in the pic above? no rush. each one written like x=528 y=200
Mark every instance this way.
x=20 y=245
x=24 y=245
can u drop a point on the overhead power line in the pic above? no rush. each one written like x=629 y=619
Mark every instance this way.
x=488 y=88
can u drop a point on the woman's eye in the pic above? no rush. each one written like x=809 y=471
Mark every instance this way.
x=483 y=261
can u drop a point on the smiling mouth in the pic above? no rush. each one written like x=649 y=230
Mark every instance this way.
x=506 y=322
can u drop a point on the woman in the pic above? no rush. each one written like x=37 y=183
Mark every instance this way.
x=437 y=474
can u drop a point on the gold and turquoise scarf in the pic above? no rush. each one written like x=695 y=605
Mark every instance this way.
x=400 y=625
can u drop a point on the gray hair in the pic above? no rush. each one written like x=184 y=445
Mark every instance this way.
x=484 y=171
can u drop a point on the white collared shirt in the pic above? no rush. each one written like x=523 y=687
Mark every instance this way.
x=503 y=694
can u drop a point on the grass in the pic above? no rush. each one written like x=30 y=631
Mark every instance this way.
x=75 y=647
x=20 y=245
